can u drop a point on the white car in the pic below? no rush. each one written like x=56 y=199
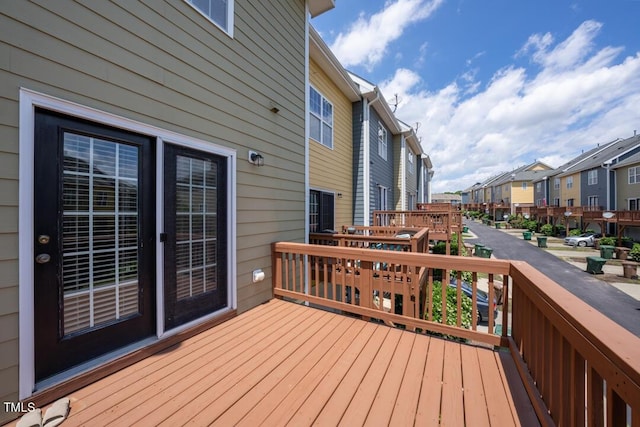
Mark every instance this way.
x=585 y=239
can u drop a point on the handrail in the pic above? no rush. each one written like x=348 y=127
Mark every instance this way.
x=579 y=367
x=349 y=279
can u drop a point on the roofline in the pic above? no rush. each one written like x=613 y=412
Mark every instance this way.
x=322 y=55
x=318 y=7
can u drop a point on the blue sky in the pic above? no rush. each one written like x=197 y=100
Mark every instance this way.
x=497 y=84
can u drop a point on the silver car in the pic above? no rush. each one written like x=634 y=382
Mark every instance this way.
x=585 y=239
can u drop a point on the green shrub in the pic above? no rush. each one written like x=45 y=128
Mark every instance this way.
x=575 y=232
x=452 y=306
x=547 y=229
x=530 y=224
x=608 y=240
x=634 y=253
x=440 y=248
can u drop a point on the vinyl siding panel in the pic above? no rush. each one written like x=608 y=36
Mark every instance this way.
x=518 y=195
x=625 y=191
x=358 y=164
x=382 y=171
x=163 y=64
x=331 y=169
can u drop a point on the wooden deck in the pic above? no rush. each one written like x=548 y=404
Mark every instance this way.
x=284 y=363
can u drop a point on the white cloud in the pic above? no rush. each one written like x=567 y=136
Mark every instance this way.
x=367 y=40
x=579 y=97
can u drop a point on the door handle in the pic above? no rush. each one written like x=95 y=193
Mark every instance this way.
x=43 y=258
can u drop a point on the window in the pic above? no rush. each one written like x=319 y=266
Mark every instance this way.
x=524 y=185
x=634 y=175
x=320 y=118
x=569 y=182
x=569 y=202
x=410 y=160
x=220 y=12
x=556 y=183
x=593 y=201
x=538 y=186
x=556 y=202
x=321 y=211
x=634 y=204
x=592 y=177
x=382 y=141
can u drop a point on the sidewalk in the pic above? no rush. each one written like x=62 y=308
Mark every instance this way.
x=613 y=272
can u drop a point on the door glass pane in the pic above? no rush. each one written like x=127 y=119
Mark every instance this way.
x=196 y=226
x=100 y=232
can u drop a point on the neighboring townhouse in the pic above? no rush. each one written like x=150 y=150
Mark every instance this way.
x=374 y=132
x=547 y=184
x=408 y=168
x=590 y=182
x=627 y=178
x=331 y=95
x=425 y=176
x=516 y=187
x=149 y=156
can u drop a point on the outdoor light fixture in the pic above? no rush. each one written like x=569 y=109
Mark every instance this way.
x=256 y=158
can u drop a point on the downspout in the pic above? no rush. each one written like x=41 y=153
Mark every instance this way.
x=366 y=167
x=607 y=166
x=403 y=173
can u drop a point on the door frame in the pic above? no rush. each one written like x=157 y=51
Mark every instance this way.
x=29 y=100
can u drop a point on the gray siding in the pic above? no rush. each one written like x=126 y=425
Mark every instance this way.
x=161 y=63
x=382 y=171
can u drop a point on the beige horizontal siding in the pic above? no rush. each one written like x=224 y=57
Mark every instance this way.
x=163 y=64
x=332 y=169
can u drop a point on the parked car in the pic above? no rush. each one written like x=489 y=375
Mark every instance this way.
x=585 y=239
x=482 y=300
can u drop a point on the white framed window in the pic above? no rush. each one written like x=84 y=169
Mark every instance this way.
x=538 y=186
x=569 y=202
x=220 y=12
x=556 y=201
x=634 y=204
x=569 y=182
x=382 y=141
x=592 y=177
x=556 y=183
x=524 y=185
x=320 y=118
x=593 y=201
x=411 y=161
x=634 y=175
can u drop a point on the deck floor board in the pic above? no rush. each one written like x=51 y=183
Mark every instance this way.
x=287 y=364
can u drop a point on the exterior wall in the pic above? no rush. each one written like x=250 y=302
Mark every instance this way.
x=518 y=195
x=625 y=191
x=331 y=169
x=358 y=164
x=411 y=177
x=570 y=193
x=555 y=193
x=382 y=171
x=163 y=64
x=599 y=189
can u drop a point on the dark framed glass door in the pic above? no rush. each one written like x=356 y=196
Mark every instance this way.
x=195 y=234
x=94 y=204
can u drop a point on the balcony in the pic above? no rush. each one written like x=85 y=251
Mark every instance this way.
x=328 y=351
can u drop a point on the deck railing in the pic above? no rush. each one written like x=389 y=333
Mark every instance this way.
x=390 y=238
x=579 y=367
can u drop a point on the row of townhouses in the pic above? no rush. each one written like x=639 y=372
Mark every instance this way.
x=362 y=158
x=605 y=178
x=150 y=154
